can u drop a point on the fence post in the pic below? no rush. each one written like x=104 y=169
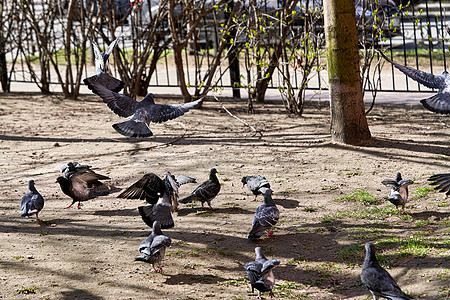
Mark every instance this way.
x=4 y=72
x=233 y=59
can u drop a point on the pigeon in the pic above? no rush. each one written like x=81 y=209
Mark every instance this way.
x=150 y=188
x=260 y=273
x=143 y=112
x=257 y=184
x=377 y=280
x=83 y=186
x=32 y=202
x=399 y=190
x=206 y=191
x=266 y=216
x=153 y=248
x=442 y=183
x=102 y=70
x=73 y=167
x=438 y=103
x=162 y=210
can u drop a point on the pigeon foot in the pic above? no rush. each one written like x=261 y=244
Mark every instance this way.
x=269 y=233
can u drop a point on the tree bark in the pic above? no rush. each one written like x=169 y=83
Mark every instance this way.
x=348 y=120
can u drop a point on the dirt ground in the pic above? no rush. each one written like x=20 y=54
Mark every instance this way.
x=89 y=253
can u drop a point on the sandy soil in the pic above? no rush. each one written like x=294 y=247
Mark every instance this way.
x=89 y=253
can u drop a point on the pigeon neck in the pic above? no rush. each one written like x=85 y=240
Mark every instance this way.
x=157 y=229
x=370 y=259
x=213 y=177
x=268 y=200
x=259 y=254
x=31 y=186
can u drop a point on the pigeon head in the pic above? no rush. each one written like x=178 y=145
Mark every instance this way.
x=244 y=180
x=213 y=171
x=30 y=183
x=259 y=253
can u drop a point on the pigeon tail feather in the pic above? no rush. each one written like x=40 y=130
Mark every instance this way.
x=133 y=129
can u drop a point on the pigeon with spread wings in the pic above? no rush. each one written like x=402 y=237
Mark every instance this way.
x=438 y=103
x=83 y=186
x=143 y=112
x=102 y=71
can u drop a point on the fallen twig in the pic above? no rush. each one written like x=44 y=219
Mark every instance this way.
x=242 y=121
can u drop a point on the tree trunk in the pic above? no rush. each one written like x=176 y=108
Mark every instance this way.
x=348 y=120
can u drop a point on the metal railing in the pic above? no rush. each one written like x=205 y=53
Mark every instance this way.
x=420 y=40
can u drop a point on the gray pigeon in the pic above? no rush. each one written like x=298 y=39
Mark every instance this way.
x=399 y=190
x=143 y=112
x=257 y=184
x=206 y=191
x=83 y=186
x=102 y=70
x=162 y=210
x=73 y=167
x=266 y=216
x=150 y=188
x=377 y=280
x=260 y=273
x=442 y=183
x=32 y=201
x=153 y=248
x=438 y=103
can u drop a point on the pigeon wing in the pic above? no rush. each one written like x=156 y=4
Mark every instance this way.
x=439 y=103
x=159 y=242
x=441 y=181
x=158 y=113
x=427 y=79
x=390 y=183
x=120 y=104
x=150 y=187
x=182 y=179
x=253 y=269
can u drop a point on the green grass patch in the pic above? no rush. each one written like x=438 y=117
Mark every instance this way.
x=421 y=191
x=351 y=253
x=27 y=290
x=361 y=196
x=285 y=288
x=235 y=282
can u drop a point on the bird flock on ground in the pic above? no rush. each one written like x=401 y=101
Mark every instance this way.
x=81 y=183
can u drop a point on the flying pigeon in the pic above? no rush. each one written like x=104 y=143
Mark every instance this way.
x=162 y=210
x=257 y=184
x=442 y=183
x=153 y=248
x=206 y=191
x=266 y=216
x=438 y=103
x=260 y=273
x=377 y=280
x=73 y=167
x=32 y=201
x=150 y=188
x=83 y=186
x=102 y=70
x=143 y=112
x=399 y=190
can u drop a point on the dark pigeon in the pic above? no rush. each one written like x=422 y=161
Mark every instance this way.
x=266 y=216
x=257 y=184
x=162 y=210
x=102 y=70
x=377 y=280
x=399 y=190
x=260 y=273
x=442 y=183
x=153 y=248
x=143 y=112
x=32 y=201
x=73 y=167
x=83 y=186
x=438 y=103
x=206 y=191
x=150 y=188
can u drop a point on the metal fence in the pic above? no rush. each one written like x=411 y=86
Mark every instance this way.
x=420 y=40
